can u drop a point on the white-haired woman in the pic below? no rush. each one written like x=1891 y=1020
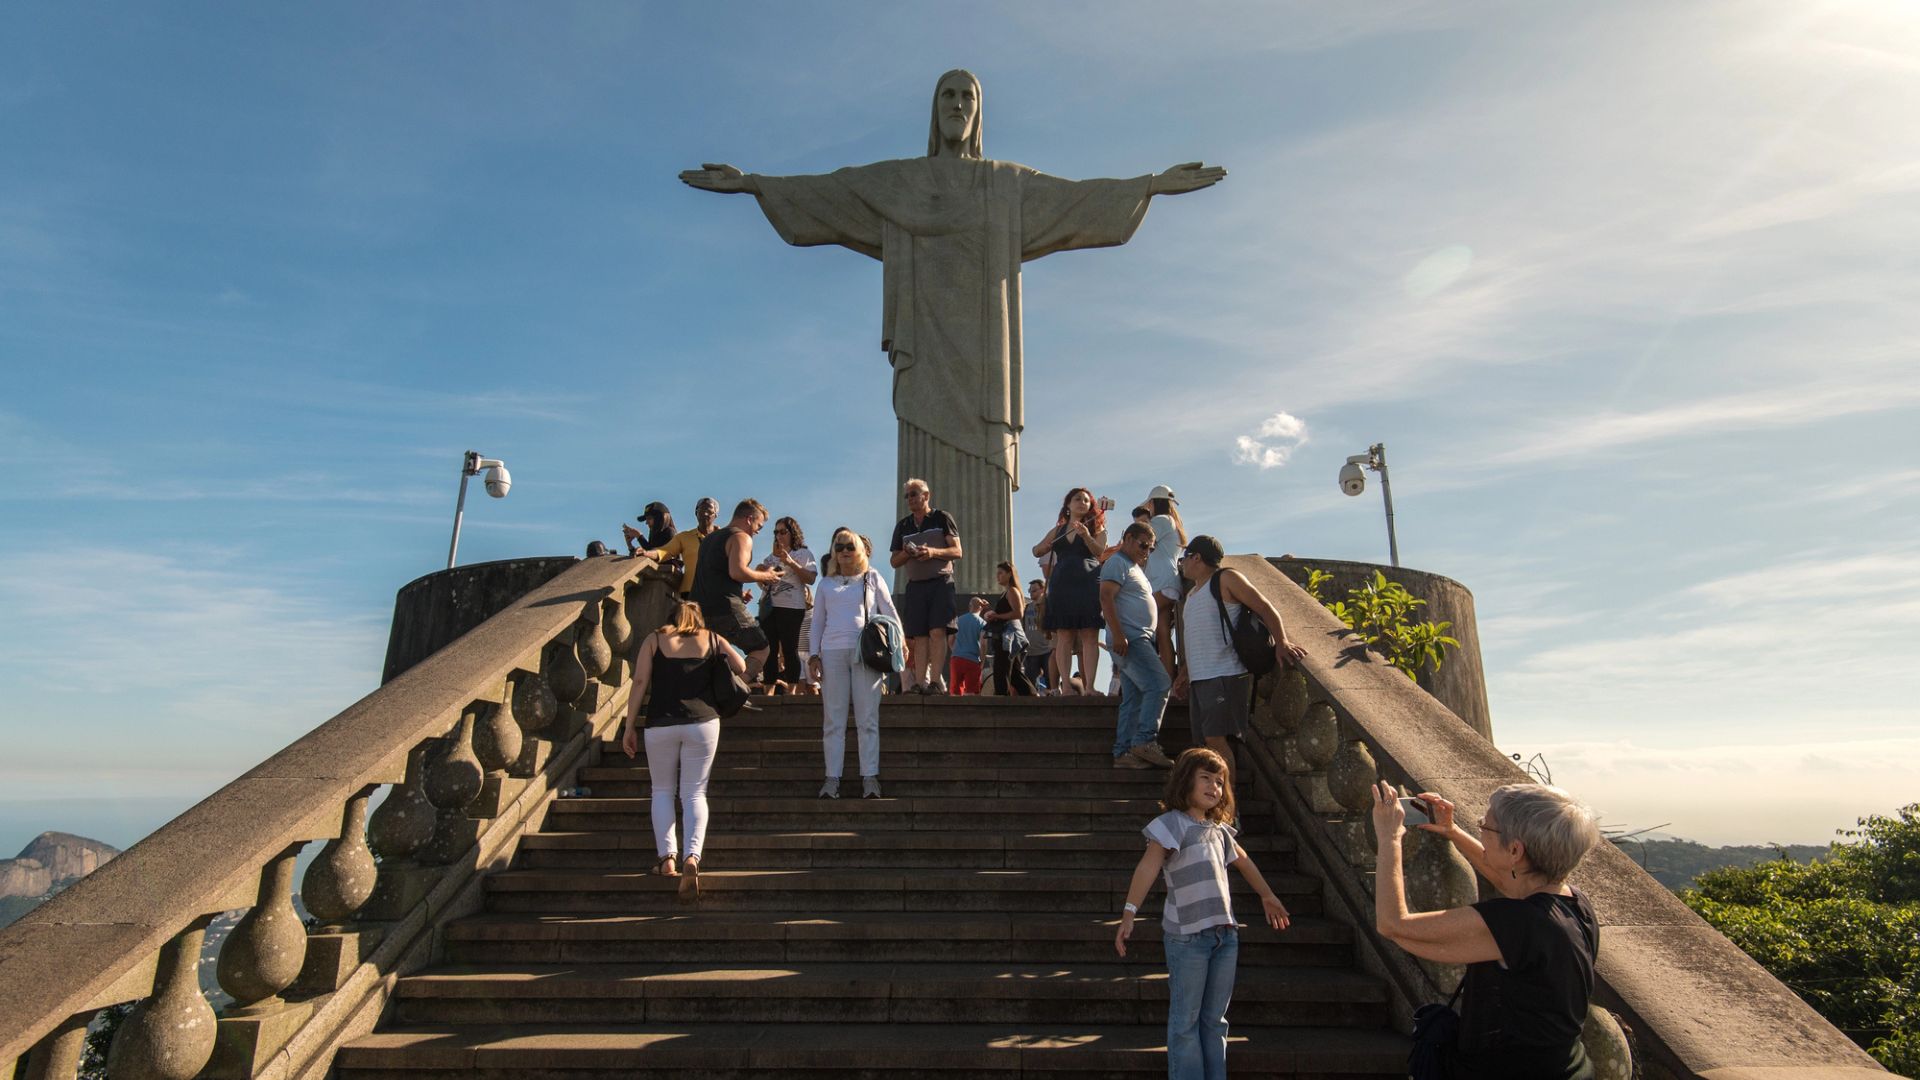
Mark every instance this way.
x=1529 y=952
x=848 y=593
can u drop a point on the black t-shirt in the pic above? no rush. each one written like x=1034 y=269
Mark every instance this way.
x=713 y=586
x=1524 y=1019
x=937 y=529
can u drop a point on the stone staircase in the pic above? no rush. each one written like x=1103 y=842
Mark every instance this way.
x=961 y=926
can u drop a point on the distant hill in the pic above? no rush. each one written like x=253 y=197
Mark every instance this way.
x=1675 y=863
x=53 y=861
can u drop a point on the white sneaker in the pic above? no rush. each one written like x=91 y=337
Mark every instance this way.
x=869 y=787
x=830 y=789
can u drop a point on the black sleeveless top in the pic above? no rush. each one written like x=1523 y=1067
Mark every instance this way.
x=682 y=689
x=713 y=584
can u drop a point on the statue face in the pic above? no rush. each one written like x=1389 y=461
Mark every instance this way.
x=957 y=108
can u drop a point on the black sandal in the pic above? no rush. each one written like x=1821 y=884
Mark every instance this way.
x=662 y=869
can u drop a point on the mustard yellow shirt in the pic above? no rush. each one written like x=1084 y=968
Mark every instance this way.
x=687 y=546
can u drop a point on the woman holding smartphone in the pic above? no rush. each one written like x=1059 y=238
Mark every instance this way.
x=1077 y=541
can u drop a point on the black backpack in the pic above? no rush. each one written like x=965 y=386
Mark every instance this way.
x=1248 y=635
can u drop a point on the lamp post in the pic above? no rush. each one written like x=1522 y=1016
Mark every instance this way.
x=1353 y=481
x=498 y=482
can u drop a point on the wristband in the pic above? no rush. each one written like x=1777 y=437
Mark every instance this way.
x=1130 y=909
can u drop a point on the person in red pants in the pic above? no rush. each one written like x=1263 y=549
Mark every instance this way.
x=963 y=671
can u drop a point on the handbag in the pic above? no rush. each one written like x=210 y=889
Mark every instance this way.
x=1251 y=640
x=1435 y=1026
x=729 y=692
x=882 y=640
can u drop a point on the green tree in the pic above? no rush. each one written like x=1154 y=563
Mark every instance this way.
x=1843 y=932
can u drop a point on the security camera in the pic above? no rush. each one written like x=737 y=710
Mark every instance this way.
x=1353 y=479
x=498 y=480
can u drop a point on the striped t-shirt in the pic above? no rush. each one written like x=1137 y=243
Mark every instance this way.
x=1195 y=871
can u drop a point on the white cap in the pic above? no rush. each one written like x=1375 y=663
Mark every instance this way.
x=1162 y=491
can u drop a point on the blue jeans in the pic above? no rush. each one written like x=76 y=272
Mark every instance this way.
x=1199 y=985
x=1143 y=693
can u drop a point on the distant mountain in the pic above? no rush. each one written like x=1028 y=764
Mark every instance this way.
x=53 y=861
x=1675 y=863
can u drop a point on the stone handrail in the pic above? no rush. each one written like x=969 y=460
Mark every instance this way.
x=473 y=740
x=1327 y=729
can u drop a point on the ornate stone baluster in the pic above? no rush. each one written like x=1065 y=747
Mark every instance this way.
x=618 y=630
x=263 y=954
x=57 y=1056
x=336 y=886
x=591 y=643
x=569 y=681
x=496 y=742
x=398 y=829
x=1438 y=877
x=534 y=708
x=1317 y=740
x=453 y=779
x=341 y=877
x=170 y=1035
x=1350 y=779
x=261 y=957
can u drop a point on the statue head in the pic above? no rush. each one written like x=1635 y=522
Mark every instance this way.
x=958 y=116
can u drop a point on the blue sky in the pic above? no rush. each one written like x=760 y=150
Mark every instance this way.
x=1629 y=291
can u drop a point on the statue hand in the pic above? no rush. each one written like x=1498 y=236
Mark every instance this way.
x=716 y=177
x=1191 y=176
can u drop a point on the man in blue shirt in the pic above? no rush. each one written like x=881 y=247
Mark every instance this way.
x=964 y=669
x=1126 y=600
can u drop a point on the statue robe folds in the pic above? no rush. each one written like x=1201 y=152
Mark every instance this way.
x=951 y=234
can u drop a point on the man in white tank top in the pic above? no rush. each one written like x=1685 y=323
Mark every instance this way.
x=1211 y=674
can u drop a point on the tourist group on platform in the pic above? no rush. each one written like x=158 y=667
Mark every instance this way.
x=1172 y=618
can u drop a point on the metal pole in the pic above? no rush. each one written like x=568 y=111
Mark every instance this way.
x=460 y=507
x=1379 y=451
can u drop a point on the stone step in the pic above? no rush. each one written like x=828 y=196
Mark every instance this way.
x=724 y=889
x=853 y=993
x=805 y=753
x=903 y=809
x=633 y=850
x=736 y=737
x=951 y=713
x=974 y=781
x=737 y=1051
x=756 y=938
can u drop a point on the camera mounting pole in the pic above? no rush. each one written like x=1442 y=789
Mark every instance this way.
x=1378 y=453
x=497 y=482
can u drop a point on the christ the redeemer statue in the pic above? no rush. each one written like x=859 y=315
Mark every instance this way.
x=951 y=230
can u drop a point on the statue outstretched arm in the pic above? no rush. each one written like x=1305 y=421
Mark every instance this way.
x=1180 y=179
x=720 y=177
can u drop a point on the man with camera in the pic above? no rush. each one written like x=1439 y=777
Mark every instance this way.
x=1217 y=684
x=925 y=544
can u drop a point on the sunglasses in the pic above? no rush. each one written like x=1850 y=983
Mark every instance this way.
x=843 y=547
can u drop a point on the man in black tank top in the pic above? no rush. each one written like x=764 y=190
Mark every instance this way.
x=724 y=566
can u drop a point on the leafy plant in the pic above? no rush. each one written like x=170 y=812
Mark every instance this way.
x=1843 y=932
x=1383 y=613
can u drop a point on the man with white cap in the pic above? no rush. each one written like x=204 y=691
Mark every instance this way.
x=1163 y=567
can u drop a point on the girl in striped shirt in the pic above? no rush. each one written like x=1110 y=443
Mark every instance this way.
x=1191 y=845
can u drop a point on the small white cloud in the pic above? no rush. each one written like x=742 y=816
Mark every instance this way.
x=1278 y=437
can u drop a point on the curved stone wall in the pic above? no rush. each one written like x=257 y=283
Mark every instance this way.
x=1461 y=683
x=430 y=612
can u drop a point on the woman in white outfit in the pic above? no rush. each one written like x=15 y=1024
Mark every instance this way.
x=683 y=733
x=849 y=591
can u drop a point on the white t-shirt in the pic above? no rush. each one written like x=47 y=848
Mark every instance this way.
x=790 y=591
x=837 y=615
x=1163 y=566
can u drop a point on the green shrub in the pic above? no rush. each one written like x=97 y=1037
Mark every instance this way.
x=1843 y=932
x=1381 y=612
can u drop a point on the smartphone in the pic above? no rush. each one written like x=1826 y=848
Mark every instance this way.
x=1417 y=812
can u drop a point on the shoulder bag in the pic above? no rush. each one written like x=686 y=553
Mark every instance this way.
x=1435 y=1026
x=1250 y=639
x=882 y=641
x=729 y=693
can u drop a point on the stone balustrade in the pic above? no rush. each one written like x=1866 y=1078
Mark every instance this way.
x=1325 y=731
x=469 y=742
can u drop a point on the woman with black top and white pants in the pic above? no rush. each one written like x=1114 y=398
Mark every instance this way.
x=847 y=594
x=683 y=733
x=1529 y=951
